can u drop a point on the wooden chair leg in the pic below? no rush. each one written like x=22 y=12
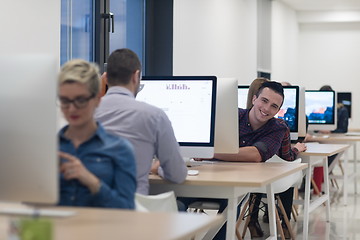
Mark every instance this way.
x=287 y=222
x=341 y=167
x=294 y=209
x=251 y=206
x=332 y=182
x=336 y=184
x=278 y=224
x=316 y=189
x=238 y=222
x=294 y=213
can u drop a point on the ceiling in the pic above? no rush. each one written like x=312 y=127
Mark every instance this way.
x=323 y=5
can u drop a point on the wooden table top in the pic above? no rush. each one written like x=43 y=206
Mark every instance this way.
x=96 y=223
x=335 y=137
x=238 y=174
x=318 y=149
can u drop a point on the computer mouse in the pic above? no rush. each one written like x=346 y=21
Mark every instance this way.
x=193 y=172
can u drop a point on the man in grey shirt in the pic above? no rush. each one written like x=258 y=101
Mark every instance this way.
x=147 y=127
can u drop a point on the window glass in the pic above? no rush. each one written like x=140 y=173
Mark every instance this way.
x=77 y=30
x=129 y=21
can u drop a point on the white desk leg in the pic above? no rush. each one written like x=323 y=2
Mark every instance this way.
x=271 y=211
x=355 y=166
x=346 y=175
x=326 y=185
x=307 y=202
x=231 y=218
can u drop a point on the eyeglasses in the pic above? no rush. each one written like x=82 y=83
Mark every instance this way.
x=79 y=102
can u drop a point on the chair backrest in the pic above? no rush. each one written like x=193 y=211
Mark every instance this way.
x=287 y=182
x=164 y=202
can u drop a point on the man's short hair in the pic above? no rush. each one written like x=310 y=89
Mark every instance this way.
x=275 y=86
x=122 y=63
x=326 y=88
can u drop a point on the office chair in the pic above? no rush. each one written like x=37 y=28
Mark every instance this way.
x=164 y=202
x=278 y=186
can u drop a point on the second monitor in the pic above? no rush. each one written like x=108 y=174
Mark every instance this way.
x=320 y=108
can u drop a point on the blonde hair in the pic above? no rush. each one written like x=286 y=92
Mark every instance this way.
x=81 y=71
x=253 y=89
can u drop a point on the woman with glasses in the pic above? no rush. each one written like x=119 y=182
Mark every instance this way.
x=96 y=169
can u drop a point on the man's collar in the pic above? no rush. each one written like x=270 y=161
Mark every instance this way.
x=120 y=90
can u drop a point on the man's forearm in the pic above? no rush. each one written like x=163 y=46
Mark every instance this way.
x=245 y=154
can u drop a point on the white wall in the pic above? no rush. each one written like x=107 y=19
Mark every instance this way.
x=284 y=47
x=317 y=48
x=30 y=27
x=215 y=37
x=330 y=54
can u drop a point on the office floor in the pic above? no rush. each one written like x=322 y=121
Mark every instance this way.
x=344 y=220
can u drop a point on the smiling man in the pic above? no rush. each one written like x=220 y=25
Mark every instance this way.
x=260 y=133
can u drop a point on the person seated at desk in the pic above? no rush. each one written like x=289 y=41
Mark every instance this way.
x=97 y=169
x=286 y=152
x=260 y=135
x=147 y=127
x=342 y=115
x=342 y=127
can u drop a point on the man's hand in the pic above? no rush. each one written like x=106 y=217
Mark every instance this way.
x=300 y=146
x=155 y=166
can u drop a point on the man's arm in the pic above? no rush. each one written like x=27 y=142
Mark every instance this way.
x=172 y=166
x=245 y=154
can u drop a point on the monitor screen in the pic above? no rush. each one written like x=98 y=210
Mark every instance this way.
x=242 y=96
x=190 y=104
x=28 y=129
x=289 y=111
x=320 y=108
x=345 y=98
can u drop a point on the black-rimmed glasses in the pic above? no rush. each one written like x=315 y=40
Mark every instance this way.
x=79 y=102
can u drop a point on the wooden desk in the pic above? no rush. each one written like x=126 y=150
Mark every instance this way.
x=343 y=139
x=313 y=153
x=95 y=224
x=231 y=181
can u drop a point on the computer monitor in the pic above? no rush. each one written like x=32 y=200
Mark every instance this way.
x=289 y=111
x=28 y=135
x=345 y=98
x=190 y=104
x=227 y=118
x=242 y=95
x=320 y=108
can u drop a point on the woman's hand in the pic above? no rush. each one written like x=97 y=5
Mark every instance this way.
x=74 y=169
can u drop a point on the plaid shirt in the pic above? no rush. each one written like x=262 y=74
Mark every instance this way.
x=267 y=139
x=286 y=152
